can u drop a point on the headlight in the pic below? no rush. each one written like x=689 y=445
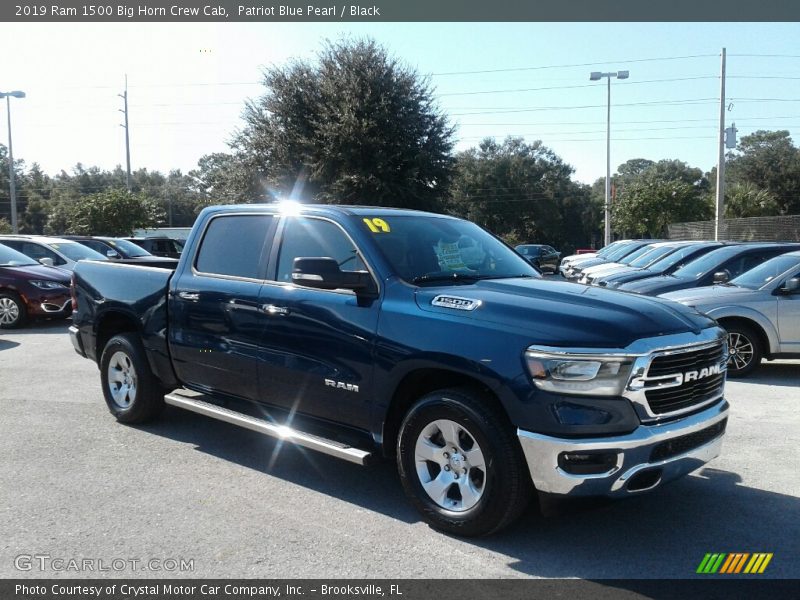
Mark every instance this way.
x=584 y=374
x=45 y=284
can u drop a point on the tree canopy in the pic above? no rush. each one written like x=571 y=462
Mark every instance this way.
x=521 y=191
x=354 y=126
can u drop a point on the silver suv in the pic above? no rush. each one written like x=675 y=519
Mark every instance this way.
x=760 y=310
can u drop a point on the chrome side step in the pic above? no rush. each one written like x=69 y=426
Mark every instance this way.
x=282 y=432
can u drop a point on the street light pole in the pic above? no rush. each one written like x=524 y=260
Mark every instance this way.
x=11 y=183
x=596 y=76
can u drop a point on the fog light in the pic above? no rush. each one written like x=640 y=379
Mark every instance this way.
x=587 y=463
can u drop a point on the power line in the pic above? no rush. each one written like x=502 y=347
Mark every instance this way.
x=543 y=108
x=569 y=87
x=566 y=66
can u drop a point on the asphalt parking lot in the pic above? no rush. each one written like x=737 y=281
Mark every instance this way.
x=74 y=484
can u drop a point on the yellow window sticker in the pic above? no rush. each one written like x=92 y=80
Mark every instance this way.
x=377 y=225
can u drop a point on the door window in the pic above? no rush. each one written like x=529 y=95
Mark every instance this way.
x=307 y=237
x=233 y=245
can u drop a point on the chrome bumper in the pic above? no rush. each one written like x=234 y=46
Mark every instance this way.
x=633 y=457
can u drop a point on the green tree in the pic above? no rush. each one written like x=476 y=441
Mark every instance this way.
x=646 y=206
x=747 y=200
x=521 y=191
x=112 y=212
x=355 y=126
x=5 y=226
x=769 y=161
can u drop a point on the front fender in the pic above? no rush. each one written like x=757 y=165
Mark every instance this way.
x=749 y=314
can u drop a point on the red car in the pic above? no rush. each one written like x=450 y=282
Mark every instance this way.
x=28 y=289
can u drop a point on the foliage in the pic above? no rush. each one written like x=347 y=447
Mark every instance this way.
x=522 y=192
x=668 y=191
x=356 y=126
x=769 y=161
x=747 y=200
x=112 y=212
x=5 y=226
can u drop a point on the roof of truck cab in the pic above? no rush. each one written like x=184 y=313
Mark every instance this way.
x=341 y=209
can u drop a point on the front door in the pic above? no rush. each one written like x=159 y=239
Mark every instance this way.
x=789 y=320
x=316 y=355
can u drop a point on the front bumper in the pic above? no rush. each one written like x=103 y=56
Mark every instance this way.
x=646 y=458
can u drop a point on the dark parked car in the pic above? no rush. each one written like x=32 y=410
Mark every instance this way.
x=160 y=246
x=665 y=266
x=29 y=289
x=113 y=248
x=718 y=266
x=544 y=258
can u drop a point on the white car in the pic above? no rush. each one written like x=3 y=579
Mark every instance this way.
x=51 y=251
x=760 y=309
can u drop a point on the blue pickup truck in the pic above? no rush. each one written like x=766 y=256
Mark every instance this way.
x=367 y=333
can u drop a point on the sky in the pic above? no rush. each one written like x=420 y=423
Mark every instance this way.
x=188 y=82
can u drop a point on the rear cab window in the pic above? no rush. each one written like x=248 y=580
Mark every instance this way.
x=235 y=246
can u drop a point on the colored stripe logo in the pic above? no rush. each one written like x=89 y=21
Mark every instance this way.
x=734 y=562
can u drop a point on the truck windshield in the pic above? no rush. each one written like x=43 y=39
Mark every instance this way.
x=761 y=275
x=430 y=249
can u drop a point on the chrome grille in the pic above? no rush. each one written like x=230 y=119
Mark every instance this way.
x=675 y=381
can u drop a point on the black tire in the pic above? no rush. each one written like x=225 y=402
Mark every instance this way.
x=745 y=350
x=128 y=355
x=504 y=483
x=13 y=312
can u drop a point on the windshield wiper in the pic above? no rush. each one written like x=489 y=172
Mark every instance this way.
x=463 y=277
x=454 y=277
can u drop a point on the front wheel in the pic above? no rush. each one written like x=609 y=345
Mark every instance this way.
x=461 y=465
x=744 y=350
x=12 y=310
x=132 y=392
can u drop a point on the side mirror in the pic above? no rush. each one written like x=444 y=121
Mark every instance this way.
x=325 y=274
x=46 y=261
x=721 y=277
x=112 y=254
x=791 y=286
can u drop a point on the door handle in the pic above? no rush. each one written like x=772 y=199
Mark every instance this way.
x=271 y=309
x=192 y=296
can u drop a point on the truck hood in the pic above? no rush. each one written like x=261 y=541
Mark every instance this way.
x=564 y=314
x=714 y=294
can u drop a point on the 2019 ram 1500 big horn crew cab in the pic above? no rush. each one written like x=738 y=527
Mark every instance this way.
x=367 y=332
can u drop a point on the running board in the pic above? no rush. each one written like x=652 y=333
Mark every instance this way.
x=281 y=432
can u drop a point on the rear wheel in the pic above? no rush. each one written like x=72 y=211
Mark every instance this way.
x=132 y=392
x=744 y=350
x=12 y=311
x=461 y=465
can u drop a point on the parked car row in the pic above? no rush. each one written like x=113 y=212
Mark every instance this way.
x=751 y=289
x=35 y=269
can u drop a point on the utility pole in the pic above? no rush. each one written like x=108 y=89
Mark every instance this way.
x=720 y=212
x=11 y=186
x=124 y=97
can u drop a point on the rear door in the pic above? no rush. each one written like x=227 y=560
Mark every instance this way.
x=317 y=345
x=216 y=325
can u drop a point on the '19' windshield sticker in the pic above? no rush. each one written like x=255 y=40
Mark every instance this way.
x=377 y=225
